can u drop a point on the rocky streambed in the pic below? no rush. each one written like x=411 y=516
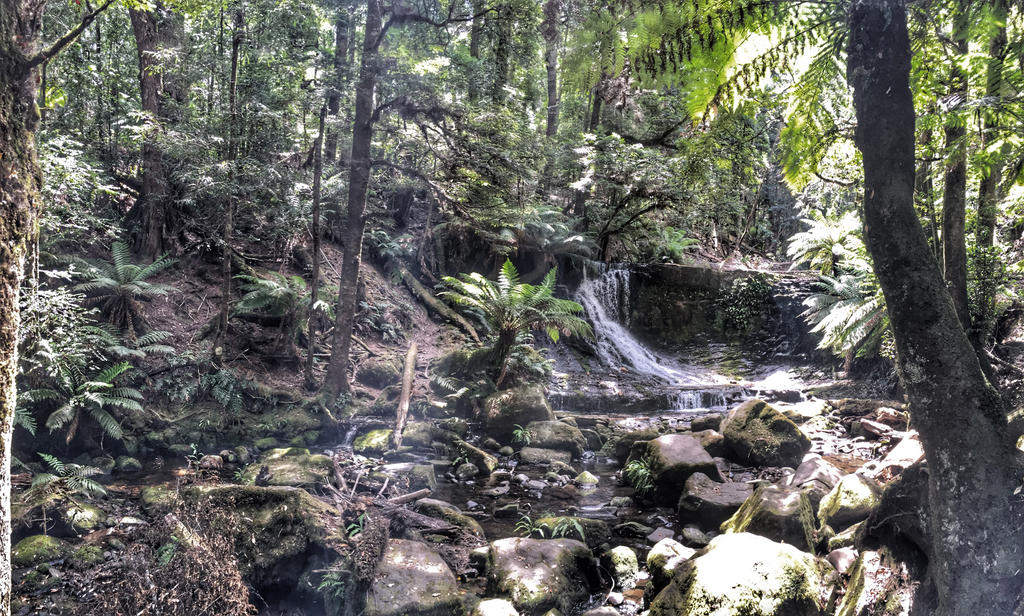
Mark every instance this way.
x=749 y=507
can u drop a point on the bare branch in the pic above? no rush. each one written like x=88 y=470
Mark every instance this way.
x=59 y=46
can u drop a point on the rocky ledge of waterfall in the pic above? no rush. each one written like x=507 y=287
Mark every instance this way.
x=804 y=508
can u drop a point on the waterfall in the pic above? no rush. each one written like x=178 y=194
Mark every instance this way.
x=605 y=298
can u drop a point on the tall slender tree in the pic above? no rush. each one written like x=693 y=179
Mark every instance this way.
x=954 y=196
x=314 y=229
x=336 y=380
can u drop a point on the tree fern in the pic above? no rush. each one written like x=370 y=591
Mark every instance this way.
x=94 y=396
x=508 y=308
x=119 y=286
x=286 y=298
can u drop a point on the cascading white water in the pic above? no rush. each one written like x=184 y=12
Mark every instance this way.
x=605 y=297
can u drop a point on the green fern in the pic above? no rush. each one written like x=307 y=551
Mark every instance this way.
x=74 y=394
x=65 y=480
x=510 y=308
x=119 y=286
x=286 y=298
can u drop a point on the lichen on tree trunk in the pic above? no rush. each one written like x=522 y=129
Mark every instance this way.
x=978 y=549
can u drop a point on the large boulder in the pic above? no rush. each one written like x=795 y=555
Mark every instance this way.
x=476 y=456
x=760 y=435
x=520 y=405
x=557 y=435
x=708 y=502
x=540 y=574
x=377 y=373
x=780 y=514
x=671 y=459
x=850 y=501
x=745 y=574
x=293 y=466
x=413 y=580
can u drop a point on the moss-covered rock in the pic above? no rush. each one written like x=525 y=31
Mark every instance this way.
x=760 y=435
x=664 y=559
x=268 y=442
x=540 y=574
x=127 y=464
x=495 y=607
x=850 y=501
x=745 y=574
x=157 y=500
x=37 y=549
x=377 y=373
x=480 y=458
x=535 y=456
x=413 y=580
x=451 y=514
x=293 y=466
x=557 y=435
x=517 y=406
x=78 y=518
x=86 y=556
x=780 y=514
x=373 y=443
x=622 y=564
x=621 y=443
x=587 y=479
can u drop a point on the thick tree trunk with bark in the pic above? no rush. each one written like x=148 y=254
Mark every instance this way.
x=19 y=204
x=161 y=87
x=336 y=380
x=954 y=197
x=988 y=190
x=978 y=552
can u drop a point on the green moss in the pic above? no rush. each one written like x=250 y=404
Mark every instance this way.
x=37 y=549
x=374 y=442
x=293 y=466
x=85 y=557
x=266 y=443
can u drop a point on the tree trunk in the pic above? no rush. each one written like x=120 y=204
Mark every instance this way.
x=153 y=198
x=314 y=228
x=976 y=558
x=502 y=51
x=954 y=198
x=236 y=44
x=20 y=181
x=336 y=380
x=549 y=29
x=988 y=190
x=476 y=32
x=341 y=29
x=924 y=195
